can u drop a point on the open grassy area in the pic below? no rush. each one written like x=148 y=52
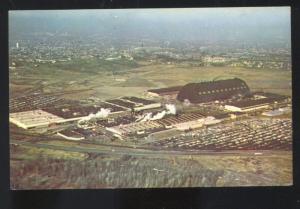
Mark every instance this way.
x=110 y=79
x=111 y=171
x=33 y=153
x=251 y=170
x=159 y=76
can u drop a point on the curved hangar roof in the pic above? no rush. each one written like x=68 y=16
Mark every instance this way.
x=213 y=90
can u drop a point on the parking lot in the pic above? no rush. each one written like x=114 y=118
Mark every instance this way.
x=33 y=102
x=253 y=134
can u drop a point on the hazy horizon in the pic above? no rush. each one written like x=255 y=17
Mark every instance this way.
x=193 y=24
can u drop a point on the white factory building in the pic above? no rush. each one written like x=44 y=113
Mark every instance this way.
x=34 y=118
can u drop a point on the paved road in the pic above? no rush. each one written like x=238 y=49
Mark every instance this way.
x=99 y=149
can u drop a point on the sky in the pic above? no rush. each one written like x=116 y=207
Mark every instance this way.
x=173 y=24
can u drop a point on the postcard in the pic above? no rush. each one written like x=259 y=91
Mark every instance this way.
x=150 y=98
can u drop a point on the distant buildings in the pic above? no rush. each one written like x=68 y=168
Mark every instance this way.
x=214 y=59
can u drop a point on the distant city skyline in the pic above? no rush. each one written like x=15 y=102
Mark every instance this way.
x=194 y=24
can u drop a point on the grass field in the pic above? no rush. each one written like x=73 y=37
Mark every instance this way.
x=33 y=153
x=159 y=76
x=135 y=79
x=111 y=171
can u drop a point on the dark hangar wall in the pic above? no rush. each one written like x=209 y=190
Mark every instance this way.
x=213 y=90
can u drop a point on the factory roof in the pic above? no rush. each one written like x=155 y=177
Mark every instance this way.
x=139 y=100
x=134 y=127
x=180 y=118
x=166 y=90
x=121 y=103
x=253 y=102
x=81 y=111
x=222 y=116
x=273 y=113
x=270 y=95
x=33 y=118
x=213 y=90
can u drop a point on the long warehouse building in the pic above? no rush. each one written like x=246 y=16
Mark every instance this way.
x=210 y=91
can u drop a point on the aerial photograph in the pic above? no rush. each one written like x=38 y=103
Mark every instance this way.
x=150 y=98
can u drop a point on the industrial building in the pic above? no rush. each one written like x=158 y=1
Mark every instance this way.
x=134 y=103
x=253 y=104
x=181 y=122
x=277 y=112
x=71 y=113
x=189 y=125
x=138 y=128
x=170 y=121
x=168 y=93
x=110 y=122
x=134 y=118
x=211 y=91
x=142 y=104
x=34 y=118
x=270 y=95
x=78 y=112
x=194 y=124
